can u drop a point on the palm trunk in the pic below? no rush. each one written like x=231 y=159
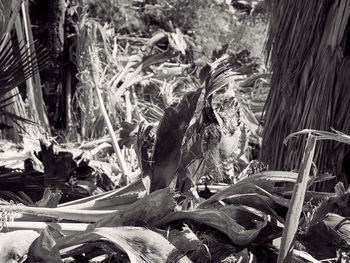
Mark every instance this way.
x=308 y=47
x=55 y=24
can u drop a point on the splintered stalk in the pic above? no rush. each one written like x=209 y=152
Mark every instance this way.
x=115 y=144
x=65 y=228
x=296 y=204
x=96 y=80
x=128 y=107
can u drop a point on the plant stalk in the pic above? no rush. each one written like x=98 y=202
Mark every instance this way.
x=116 y=147
x=296 y=204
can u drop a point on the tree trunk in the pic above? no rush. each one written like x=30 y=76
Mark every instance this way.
x=309 y=50
x=55 y=38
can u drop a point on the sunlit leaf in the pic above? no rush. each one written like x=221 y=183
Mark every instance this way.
x=42 y=249
x=140 y=244
x=145 y=211
x=238 y=223
x=265 y=180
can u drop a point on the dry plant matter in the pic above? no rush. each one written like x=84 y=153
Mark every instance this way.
x=144 y=221
x=184 y=135
x=309 y=86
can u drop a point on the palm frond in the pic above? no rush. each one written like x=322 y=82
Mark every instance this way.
x=17 y=66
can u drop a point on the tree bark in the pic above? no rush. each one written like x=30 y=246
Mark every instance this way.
x=55 y=25
x=308 y=47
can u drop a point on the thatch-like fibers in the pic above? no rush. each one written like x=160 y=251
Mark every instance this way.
x=307 y=48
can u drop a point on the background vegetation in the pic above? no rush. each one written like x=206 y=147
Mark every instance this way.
x=151 y=115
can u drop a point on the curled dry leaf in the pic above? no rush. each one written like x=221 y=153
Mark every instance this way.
x=258 y=201
x=323 y=239
x=188 y=243
x=50 y=198
x=42 y=249
x=265 y=180
x=147 y=210
x=177 y=41
x=239 y=224
x=140 y=244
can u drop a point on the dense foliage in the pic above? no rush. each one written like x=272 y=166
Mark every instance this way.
x=180 y=88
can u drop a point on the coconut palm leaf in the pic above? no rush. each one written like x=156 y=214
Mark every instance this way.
x=14 y=117
x=16 y=66
x=2 y=103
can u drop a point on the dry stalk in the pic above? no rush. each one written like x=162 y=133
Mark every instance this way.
x=96 y=82
x=297 y=201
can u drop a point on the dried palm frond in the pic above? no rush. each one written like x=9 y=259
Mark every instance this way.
x=9 y=11
x=15 y=68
